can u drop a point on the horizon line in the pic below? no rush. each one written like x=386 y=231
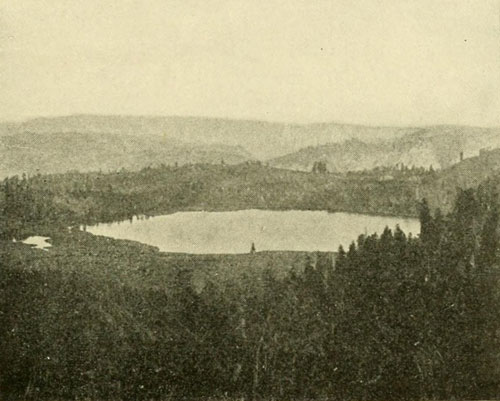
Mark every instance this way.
x=241 y=119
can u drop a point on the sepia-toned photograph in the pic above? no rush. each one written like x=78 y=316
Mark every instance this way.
x=249 y=200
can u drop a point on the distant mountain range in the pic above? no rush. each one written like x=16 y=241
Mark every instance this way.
x=93 y=142
x=264 y=140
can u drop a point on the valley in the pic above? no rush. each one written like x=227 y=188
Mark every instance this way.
x=149 y=268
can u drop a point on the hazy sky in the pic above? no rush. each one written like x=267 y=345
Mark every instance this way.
x=363 y=61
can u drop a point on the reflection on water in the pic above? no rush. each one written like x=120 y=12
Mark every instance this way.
x=234 y=232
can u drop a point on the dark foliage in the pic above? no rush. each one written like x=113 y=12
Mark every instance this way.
x=87 y=198
x=394 y=317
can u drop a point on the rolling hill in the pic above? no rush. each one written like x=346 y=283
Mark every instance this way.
x=48 y=152
x=439 y=147
x=103 y=142
x=262 y=139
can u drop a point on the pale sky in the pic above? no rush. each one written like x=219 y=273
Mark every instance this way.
x=377 y=62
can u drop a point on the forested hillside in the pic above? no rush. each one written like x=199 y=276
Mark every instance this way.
x=88 y=198
x=439 y=147
x=395 y=318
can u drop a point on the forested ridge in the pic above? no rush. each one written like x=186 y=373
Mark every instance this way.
x=88 y=198
x=74 y=198
x=394 y=317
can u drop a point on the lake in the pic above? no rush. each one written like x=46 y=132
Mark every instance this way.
x=235 y=231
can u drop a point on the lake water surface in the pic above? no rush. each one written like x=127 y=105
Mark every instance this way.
x=234 y=232
x=38 y=242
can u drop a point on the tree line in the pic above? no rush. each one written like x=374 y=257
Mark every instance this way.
x=28 y=204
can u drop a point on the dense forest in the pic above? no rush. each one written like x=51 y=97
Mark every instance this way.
x=31 y=203
x=394 y=317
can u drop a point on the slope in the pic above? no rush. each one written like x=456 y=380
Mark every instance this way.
x=59 y=152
